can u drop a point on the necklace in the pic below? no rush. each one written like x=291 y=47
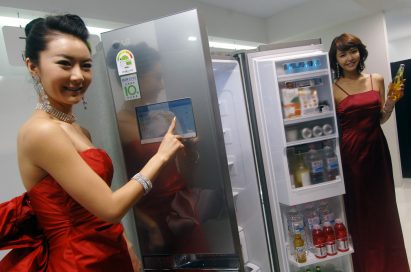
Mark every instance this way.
x=65 y=117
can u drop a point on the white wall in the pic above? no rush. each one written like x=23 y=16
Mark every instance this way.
x=372 y=31
x=400 y=49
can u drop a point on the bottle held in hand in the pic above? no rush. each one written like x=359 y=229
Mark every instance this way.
x=395 y=91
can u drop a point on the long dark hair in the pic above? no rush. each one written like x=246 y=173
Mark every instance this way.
x=345 y=42
x=39 y=30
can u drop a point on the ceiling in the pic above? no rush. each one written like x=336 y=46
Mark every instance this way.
x=398 y=11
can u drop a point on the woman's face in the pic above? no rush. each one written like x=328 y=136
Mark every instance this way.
x=64 y=69
x=349 y=60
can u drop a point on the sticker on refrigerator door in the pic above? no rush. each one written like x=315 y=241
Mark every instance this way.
x=126 y=63
x=129 y=84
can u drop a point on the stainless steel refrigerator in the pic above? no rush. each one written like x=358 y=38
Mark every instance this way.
x=144 y=75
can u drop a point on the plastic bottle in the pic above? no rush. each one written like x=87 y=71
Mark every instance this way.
x=326 y=214
x=331 y=163
x=295 y=221
x=319 y=247
x=330 y=239
x=341 y=235
x=394 y=92
x=299 y=248
x=315 y=165
x=317 y=268
x=301 y=173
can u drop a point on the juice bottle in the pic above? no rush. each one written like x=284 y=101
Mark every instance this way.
x=394 y=92
x=330 y=239
x=319 y=247
x=330 y=162
x=341 y=235
x=315 y=164
x=301 y=173
x=299 y=248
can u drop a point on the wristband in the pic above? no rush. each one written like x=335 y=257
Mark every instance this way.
x=145 y=182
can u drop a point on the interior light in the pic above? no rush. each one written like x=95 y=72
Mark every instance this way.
x=192 y=38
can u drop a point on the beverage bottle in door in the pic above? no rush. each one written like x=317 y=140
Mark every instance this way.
x=319 y=247
x=330 y=162
x=341 y=235
x=311 y=218
x=295 y=223
x=330 y=239
x=326 y=214
x=394 y=91
x=301 y=172
x=315 y=164
x=317 y=268
x=299 y=248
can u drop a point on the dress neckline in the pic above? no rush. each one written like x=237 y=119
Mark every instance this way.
x=82 y=152
x=355 y=94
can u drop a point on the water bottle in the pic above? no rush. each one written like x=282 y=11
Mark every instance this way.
x=331 y=163
x=326 y=214
x=315 y=164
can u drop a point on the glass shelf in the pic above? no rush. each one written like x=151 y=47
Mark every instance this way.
x=312 y=140
x=312 y=260
x=306 y=118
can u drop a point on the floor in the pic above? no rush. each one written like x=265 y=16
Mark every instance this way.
x=404 y=209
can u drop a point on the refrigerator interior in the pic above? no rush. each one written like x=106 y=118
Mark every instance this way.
x=296 y=118
x=241 y=165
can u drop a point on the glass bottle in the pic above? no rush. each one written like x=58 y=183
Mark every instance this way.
x=299 y=248
x=301 y=173
x=394 y=92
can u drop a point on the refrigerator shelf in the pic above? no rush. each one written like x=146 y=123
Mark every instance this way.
x=302 y=75
x=314 y=192
x=312 y=140
x=311 y=117
x=312 y=260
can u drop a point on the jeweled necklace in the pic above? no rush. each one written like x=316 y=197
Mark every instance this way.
x=65 y=117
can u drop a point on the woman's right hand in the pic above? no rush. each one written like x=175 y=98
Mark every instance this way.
x=170 y=144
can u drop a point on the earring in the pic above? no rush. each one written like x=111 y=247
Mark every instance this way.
x=362 y=66
x=337 y=70
x=84 y=102
x=40 y=91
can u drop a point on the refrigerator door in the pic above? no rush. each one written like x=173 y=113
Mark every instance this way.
x=296 y=120
x=249 y=206
x=158 y=70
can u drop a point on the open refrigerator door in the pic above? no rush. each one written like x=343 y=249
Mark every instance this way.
x=295 y=115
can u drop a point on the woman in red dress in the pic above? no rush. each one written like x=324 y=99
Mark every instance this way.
x=370 y=200
x=69 y=200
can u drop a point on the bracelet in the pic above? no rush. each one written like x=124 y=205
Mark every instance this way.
x=145 y=182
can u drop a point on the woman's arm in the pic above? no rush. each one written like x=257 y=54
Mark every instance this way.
x=48 y=147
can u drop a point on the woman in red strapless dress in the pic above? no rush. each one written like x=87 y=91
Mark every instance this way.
x=370 y=201
x=69 y=219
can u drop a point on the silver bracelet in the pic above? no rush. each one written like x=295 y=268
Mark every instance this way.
x=145 y=182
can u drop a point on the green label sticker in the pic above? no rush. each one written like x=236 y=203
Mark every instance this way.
x=125 y=62
x=129 y=84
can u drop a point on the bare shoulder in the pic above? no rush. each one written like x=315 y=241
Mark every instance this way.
x=377 y=78
x=39 y=134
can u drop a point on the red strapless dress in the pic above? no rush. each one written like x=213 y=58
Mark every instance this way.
x=69 y=237
x=370 y=201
